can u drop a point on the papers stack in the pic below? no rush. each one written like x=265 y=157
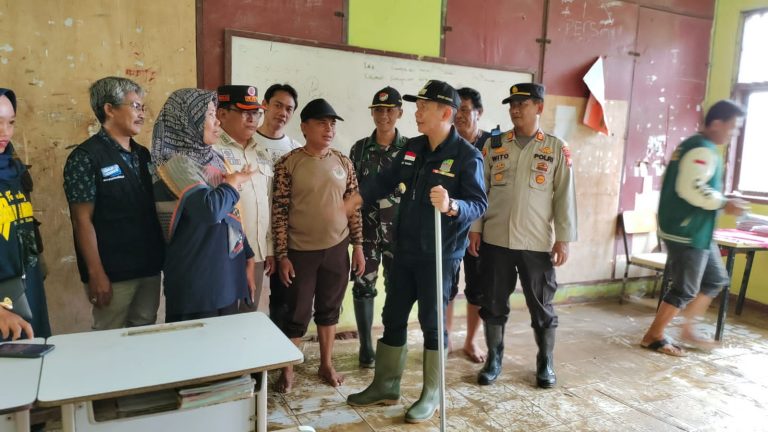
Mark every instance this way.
x=146 y=403
x=753 y=223
x=222 y=391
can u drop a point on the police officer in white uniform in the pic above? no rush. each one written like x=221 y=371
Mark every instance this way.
x=531 y=218
x=239 y=112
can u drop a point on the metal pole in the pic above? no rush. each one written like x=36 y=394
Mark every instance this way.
x=440 y=318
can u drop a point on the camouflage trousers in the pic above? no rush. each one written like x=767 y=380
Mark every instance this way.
x=378 y=245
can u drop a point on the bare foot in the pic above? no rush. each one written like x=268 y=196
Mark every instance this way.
x=284 y=384
x=474 y=352
x=698 y=342
x=330 y=376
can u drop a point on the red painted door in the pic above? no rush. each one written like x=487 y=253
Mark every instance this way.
x=498 y=33
x=320 y=20
x=582 y=30
x=667 y=91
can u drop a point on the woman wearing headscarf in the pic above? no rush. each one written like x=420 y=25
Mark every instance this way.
x=209 y=265
x=18 y=250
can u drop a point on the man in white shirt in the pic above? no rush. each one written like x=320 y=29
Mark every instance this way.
x=280 y=101
x=239 y=112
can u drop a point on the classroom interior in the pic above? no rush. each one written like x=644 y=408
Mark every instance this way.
x=665 y=62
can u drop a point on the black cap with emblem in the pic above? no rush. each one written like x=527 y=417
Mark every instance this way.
x=240 y=96
x=437 y=91
x=387 y=97
x=523 y=91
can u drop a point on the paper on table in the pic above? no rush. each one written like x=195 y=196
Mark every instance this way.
x=594 y=115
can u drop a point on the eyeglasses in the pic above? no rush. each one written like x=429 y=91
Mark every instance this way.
x=138 y=107
x=247 y=113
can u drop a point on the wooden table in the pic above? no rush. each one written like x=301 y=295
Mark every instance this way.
x=20 y=379
x=96 y=365
x=732 y=242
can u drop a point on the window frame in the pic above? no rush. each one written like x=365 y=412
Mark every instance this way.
x=741 y=93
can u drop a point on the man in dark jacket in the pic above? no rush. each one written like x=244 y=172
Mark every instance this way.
x=437 y=170
x=117 y=234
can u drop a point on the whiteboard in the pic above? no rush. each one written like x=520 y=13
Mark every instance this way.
x=349 y=79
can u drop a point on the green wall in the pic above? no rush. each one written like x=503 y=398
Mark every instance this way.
x=723 y=58
x=406 y=26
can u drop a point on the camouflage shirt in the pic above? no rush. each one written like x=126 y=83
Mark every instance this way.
x=369 y=158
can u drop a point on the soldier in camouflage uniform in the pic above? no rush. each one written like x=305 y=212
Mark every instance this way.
x=370 y=155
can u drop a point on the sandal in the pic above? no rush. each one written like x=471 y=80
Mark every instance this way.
x=664 y=346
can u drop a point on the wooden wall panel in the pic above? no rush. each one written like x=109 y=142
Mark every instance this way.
x=583 y=30
x=320 y=20
x=497 y=33
x=667 y=92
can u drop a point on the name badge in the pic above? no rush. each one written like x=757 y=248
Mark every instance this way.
x=112 y=172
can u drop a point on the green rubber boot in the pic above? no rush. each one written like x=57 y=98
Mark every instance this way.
x=385 y=388
x=364 y=318
x=428 y=403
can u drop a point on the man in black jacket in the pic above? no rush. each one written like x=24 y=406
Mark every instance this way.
x=437 y=170
x=117 y=234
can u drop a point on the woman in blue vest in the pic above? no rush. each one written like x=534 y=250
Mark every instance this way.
x=209 y=265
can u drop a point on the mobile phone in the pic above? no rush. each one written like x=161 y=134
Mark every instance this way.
x=24 y=350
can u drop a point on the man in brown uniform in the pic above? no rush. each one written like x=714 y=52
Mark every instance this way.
x=312 y=234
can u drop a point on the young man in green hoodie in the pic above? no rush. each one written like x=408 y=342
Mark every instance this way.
x=691 y=196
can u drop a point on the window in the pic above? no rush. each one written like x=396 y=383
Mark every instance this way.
x=751 y=89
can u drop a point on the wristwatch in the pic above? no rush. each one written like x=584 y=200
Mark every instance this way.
x=453 y=208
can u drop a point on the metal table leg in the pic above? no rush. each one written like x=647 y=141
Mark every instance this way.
x=724 y=295
x=745 y=282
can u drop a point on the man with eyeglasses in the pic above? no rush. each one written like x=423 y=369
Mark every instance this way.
x=239 y=112
x=108 y=184
x=531 y=218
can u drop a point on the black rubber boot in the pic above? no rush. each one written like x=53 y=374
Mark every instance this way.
x=364 y=318
x=545 y=370
x=494 y=338
x=385 y=388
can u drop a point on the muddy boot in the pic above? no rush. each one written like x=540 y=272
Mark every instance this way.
x=364 y=318
x=545 y=370
x=385 y=388
x=429 y=401
x=494 y=338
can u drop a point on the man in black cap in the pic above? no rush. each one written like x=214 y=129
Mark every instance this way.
x=531 y=219
x=369 y=156
x=312 y=234
x=239 y=112
x=441 y=170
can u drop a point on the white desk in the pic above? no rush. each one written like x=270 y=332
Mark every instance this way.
x=97 y=365
x=20 y=378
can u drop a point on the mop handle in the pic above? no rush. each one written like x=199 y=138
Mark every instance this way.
x=440 y=318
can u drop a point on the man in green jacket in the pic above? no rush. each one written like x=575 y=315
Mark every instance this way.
x=691 y=196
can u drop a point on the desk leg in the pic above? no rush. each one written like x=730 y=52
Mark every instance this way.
x=261 y=404
x=21 y=418
x=745 y=282
x=68 y=418
x=724 y=295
